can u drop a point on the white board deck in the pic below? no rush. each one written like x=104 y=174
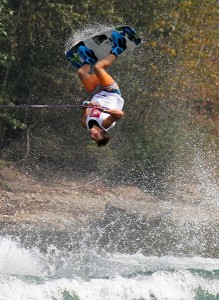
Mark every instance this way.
x=101 y=43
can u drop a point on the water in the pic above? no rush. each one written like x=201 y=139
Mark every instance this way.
x=83 y=33
x=64 y=275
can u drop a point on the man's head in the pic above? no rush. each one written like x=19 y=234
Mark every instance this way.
x=99 y=135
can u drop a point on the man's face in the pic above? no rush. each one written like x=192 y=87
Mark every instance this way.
x=96 y=133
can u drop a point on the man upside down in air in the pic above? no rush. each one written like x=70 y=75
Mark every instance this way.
x=105 y=107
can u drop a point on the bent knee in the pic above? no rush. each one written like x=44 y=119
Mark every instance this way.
x=98 y=66
x=80 y=72
x=102 y=64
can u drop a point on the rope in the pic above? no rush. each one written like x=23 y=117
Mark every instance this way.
x=62 y=106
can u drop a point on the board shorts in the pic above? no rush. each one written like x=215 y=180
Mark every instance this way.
x=94 y=85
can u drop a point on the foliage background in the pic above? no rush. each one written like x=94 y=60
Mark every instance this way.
x=170 y=87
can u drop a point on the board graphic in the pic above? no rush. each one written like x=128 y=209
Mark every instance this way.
x=101 y=43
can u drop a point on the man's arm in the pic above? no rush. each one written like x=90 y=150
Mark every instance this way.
x=85 y=111
x=84 y=117
x=115 y=115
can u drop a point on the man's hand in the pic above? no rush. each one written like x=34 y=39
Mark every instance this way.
x=105 y=110
x=91 y=104
x=86 y=103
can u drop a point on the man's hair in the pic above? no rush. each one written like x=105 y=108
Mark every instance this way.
x=104 y=140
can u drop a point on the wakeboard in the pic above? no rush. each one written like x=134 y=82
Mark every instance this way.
x=101 y=44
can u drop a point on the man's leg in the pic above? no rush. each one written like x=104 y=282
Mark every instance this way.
x=84 y=72
x=119 y=45
x=99 y=69
x=90 y=82
x=101 y=77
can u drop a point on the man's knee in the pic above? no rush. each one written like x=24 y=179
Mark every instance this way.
x=98 y=66
x=81 y=73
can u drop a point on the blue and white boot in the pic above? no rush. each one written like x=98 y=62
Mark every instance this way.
x=119 y=44
x=132 y=35
x=88 y=55
x=74 y=60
